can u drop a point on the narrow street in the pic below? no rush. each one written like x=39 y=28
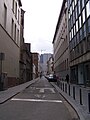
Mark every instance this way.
x=40 y=101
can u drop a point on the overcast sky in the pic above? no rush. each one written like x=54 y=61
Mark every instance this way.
x=40 y=22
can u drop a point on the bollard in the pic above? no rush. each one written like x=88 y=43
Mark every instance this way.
x=89 y=102
x=63 y=86
x=80 y=96
x=74 y=92
x=69 y=89
x=66 y=88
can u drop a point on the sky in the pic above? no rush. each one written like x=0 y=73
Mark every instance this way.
x=41 y=18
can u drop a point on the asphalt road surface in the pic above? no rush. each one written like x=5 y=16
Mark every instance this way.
x=40 y=101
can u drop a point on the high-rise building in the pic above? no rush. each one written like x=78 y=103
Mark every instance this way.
x=43 y=62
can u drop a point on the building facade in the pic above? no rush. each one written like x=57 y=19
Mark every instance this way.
x=79 y=41
x=75 y=55
x=35 y=62
x=43 y=62
x=10 y=38
x=26 y=66
x=61 y=44
x=50 y=65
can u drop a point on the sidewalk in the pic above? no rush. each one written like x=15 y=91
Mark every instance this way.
x=83 y=115
x=7 y=94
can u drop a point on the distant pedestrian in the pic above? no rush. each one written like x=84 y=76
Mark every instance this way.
x=40 y=74
x=67 y=78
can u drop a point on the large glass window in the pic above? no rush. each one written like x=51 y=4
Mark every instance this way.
x=70 y=36
x=75 y=2
x=18 y=16
x=69 y=14
x=73 y=5
x=71 y=21
x=78 y=40
x=80 y=21
x=79 y=8
x=71 y=10
x=83 y=3
x=80 y=34
x=12 y=28
x=77 y=26
x=84 y=30
x=69 y=24
x=76 y=11
x=74 y=17
x=74 y=30
x=16 y=9
x=5 y=15
x=68 y=3
x=13 y=5
x=83 y=15
x=15 y=33
x=17 y=36
x=88 y=8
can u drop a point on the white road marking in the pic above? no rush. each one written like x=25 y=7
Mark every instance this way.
x=40 y=96
x=36 y=100
x=42 y=90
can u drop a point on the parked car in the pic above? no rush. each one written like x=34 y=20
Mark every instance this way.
x=52 y=78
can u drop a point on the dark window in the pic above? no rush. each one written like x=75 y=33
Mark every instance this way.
x=87 y=73
x=83 y=3
x=12 y=28
x=73 y=17
x=89 y=25
x=84 y=30
x=79 y=7
x=76 y=14
x=81 y=48
x=13 y=5
x=73 y=75
x=78 y=38
x=5 y=16
x=80 y=34
x=88 y=43
x=77 y=50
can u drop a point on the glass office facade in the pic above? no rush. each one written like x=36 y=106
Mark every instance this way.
x=79 y=39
